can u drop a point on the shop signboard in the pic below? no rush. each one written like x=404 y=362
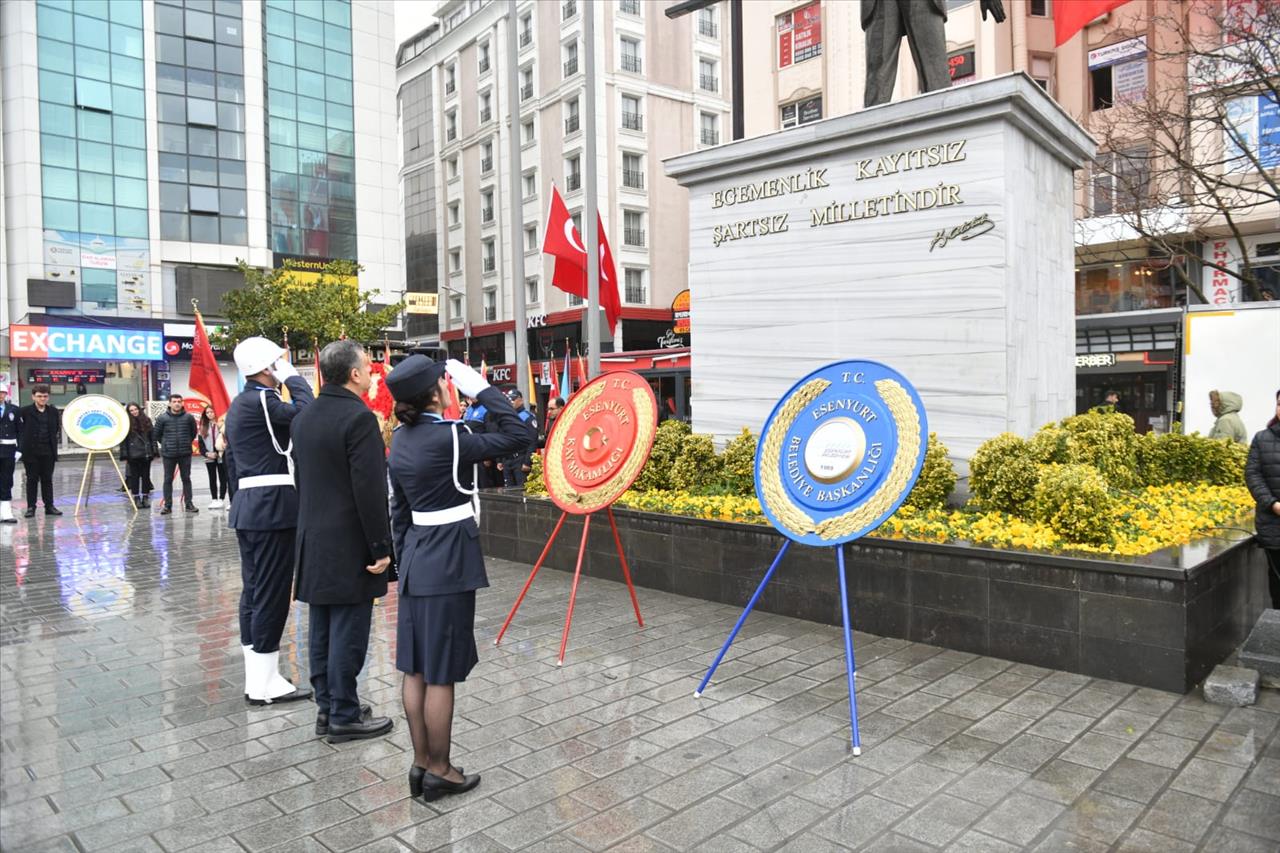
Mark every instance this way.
x=66 y=376
x=1256 y=121
x=800 y=34
x=680 y=316
x=95 y=344
x=179 y=341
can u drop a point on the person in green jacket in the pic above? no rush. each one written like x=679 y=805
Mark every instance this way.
x=1226 y=408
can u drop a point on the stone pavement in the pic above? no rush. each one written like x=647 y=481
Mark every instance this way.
x=122 y=727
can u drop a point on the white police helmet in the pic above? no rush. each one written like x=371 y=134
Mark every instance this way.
x=256 y=354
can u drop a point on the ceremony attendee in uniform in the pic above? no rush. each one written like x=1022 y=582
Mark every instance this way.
x=264 y=510
x=516 y=466
x=137 y=450
x=344 y=536
x=488 y=475
x=38 y=446
x=174 y=430
x=10 y=430
x=435 y=508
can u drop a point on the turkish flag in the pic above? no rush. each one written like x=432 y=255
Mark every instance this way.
x=206 y=378
x=1071 y=16
x=563 y=243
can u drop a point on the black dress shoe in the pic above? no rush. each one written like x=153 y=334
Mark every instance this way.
x=434 y=787
x=372 y=727
x=190 y=508
x=415 y=779
x=30 y=513
x=322 y=719
x=52 y=510
x=166 y=510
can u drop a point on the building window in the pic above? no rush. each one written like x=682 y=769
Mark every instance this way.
x=451 y=168
x=708 y=25
x=568 y=9
x=486 y=107
x=1120 y=182
x=489 y=256
x=636 y=291
x=482 y=54
x=575 y=300
x=528 y=134
x=571 y=116
x=455 y=261
x=529 y=184
x=455 y=214
x=486 y=207
x=571 y=59
x=633 y=171
x=573 y=173
x=532 y=292
x=486 y=157
x=709 y=124
x=631 y=117
x=531 y=238
x=526 y=83
x=629 y=7
x=1042 y=72
x=801 y=112
x=455 y=307
x=490 y=306
x=450 y=79
x=630 y=55
x=633 y=228
x=708 y=81
x=1118 y=73
x=526 y=29
x=451 y=125
x=1039 y=8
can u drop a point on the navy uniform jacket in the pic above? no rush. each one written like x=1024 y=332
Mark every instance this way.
x=10 y=430
x=445 y=559
x=523 y=455
x=250 y=453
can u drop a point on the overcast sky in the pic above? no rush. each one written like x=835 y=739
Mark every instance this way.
x=413 y=16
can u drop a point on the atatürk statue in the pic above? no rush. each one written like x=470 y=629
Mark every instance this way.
x=921 y=21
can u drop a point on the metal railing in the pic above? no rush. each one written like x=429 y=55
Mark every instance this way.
x=629 y=7
x=486 y=165
x=633 y=121
x=710 y=137
x=526 y=91
x=633 y=178
x=451 y=134
x=571 y=67
x=571 y=125
x=526 y=38
x=633 y=236
x=486 y=215
x=637 y=294
x=631 y=63
x=450 y=87
x=568 y=10
x=710 y=29
x=490 y=313
x=709 y=82
x=573 y=182
x=485 y=115
x=488 y=265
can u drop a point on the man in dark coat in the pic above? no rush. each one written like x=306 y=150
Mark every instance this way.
x=516 y=467
x=344 y=536
x=1262 y=475
x=264 y=510
x=38 y=446
x=10 y=431
x=174 y=430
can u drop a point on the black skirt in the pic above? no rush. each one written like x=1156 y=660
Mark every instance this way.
x=435 y=636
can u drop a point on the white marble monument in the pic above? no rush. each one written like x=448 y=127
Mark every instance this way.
x=932 y=234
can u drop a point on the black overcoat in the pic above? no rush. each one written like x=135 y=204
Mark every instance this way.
x=341 y=471
x=1262 y=475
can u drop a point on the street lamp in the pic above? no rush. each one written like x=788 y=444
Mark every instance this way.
x=466 y=323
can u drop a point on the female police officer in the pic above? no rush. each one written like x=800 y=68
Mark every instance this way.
x=434 y=510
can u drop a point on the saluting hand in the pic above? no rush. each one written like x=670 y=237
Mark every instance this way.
x=379 y=566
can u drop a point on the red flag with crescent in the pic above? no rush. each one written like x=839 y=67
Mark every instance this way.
x=563 y=242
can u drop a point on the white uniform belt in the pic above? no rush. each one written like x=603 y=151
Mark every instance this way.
x=8 y=441
x=262 y=480
x=437 y=517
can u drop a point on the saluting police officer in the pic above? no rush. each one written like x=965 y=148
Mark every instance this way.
x=264 y=510
x=516 y=466
x=10 y=432
x=435 y=508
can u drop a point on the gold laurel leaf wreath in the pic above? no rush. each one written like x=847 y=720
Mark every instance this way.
x=907 y=421
x=646 y=415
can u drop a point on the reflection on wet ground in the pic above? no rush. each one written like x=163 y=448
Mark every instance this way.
x=122 y=726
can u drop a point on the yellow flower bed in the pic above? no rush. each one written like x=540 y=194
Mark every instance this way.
x=1146 y=520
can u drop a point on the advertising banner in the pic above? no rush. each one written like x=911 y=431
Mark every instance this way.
x=71 y=342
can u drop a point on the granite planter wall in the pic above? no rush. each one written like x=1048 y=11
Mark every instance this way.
x=1162 y=621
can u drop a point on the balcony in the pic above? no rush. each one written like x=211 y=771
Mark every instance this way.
x=636 y=294
x=450 y=87
x=485 y=116
x=488 y=265
x=451 y=134
x=633 y=178
x=710 y=29
x=486 y=215
x=568 y=10
x=571 y=67
x=484 y=65
x=573 y=182
x=526 y=91
x=490 y=313
x=709 y=83
x=526 y=38
x=633 y=237
x=633 y=121
x=710 y=137
x=631 y=63
x=486 y=165
x=570 y=125
x=629 y=7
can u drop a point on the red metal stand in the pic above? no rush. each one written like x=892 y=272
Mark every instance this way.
x=577 y=574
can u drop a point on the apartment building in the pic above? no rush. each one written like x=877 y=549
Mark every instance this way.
x=149 y=146
x=662 y=88
x=1129 y=295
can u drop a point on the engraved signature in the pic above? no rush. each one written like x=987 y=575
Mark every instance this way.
x=975 y=227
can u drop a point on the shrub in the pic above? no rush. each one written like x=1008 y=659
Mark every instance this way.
x=1002 y=475
x=937 y=478
x=534 y=484
x=1075 y=502
x=696 y=466
x=1177 y=458
x=656 y=474
x=738 y=465
x=1106 y=441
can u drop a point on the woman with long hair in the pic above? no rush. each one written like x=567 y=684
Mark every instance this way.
x=1262 y=475
x=434 y=510
x=208 y=437
x=136 y=451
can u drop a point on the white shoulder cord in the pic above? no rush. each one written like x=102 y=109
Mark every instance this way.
x=286 y=452
x=474 y=491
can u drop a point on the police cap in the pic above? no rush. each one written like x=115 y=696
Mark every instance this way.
x=413 y=377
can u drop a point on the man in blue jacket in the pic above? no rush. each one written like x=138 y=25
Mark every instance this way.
x=264 y=510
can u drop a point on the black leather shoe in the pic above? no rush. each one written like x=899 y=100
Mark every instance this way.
x=30 y=513
x=190 y=508
x=415 y=779
x=434 y=787
x=166 y=510
x=372 y=727
x=52 y=510
x=322 y=719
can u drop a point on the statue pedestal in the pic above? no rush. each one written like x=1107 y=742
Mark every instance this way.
x=933 y=234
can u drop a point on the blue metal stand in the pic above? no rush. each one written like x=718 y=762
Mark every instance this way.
x=742 y=619
x=850 y=665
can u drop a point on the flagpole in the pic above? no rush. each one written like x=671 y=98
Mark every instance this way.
x=589 y=212
x=514 y=195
